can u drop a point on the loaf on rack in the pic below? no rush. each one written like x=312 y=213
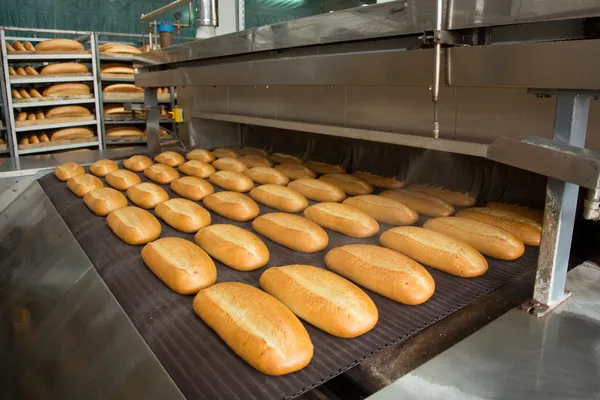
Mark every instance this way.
x=231 y=180
x=147 y=195
x=40 y=115
x=67 y=89
x=317 y=190
x=229 y=164
x=350 y=184
x=105 y=200
x=43 y=137
x=35 y=93
x=30 y=70
x=252 y=160
x=67 y=111
x=452 y=197
x=279 y=197
x=191 y=187
x=64 y=68
x=122 y=179
x=9 y=47
x=201 y=155
x=117 y=69
x=31 y=117
x=12 y=71
x=71 y=133
x=119 y=48
x=21 y=71
x=199 y=169
x=292 y=231
x=24 y=94
x=59 y=45
x=170 y=158
x=282 y=158
x=423 y=203
x=183 y=214
x=22 y=116
x=342 y=218
x=68 y=170
x=33 y=139
x=80 y=185
x=137 y=163
x=133 y=225
x=161 y=173
x=536 y=215
x=28 y=46
x=266 y=175
x=15 y=94
x=324 y=168
x=124 y=131
x=254 y=151
x=379 y=181
x=18 y=46
x=221 y=152
x=384 y=209
x=123 y=88
x=232 y=205
x=102 y=168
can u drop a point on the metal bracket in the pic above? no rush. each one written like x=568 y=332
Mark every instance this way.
x=540 y=310
x=444 y=38
x=135 y=107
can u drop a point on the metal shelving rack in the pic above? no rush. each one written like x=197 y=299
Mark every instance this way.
x=8 y=83
x=6 y=128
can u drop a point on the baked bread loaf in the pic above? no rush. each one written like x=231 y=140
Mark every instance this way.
x=15 y=94
x=317 y=190
x=24 y=94
x=35 y=93
x=201 y=155
x=31 y=117
x=253 y=151
x=67 y=111
x=183 y=215
x=232 y=205
x=43 y=137
x=24 y=140
x=269 y=338
x=124 y=131
x=229 y=164
x=322 y=298
x=324 y=168
x=117 y=69
x=487 y=239
x=12 y=71
x=279 y=197
x=436 y=250
x=119 y=48
x=18 y=46
x=71 y=133
x=133 y=225
x=379 y=181
x=161 y=173
x=526 y=229
x=192 y=188
x=122 y=88
x=21 y=71
x=231 y=180
x=33 y=139
x=233 y=246
x=29 y=70
x=266 y=175
x=22 y=116
x=383 y=271
x=104 y=200
x=170 y=158
x=137 y=163
x=342 y=218
x=68 y=170
x=67 y=89
x=296 y=171
x=292 y=231
x=282 y=158
x=536 y=215
x=199 y=169
x=255 y=161
x=225 y=152
x=452 y=197
x=147 y=195
x=423 y=203
x=82 y=184
x=102 y=168
x=59 y=45
x=40 y=115
x=64 y=68
x=122 y=179
x=184 y=267
x=384 y=209
x=9 y=47
x=350 y=184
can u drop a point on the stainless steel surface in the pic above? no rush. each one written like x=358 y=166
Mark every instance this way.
x=163 y=9
x=437 y=66
x=518 y=357
x=65 y=336
x=207 y=13
x=152 y=125
x=97 y=87
x=7 y=125
x=7 y=94
x=570 y=125
x=591 y=205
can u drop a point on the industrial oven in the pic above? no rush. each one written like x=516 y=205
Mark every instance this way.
x=492 y=98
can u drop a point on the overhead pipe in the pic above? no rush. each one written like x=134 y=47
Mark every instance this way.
x=591 y=205
x=158 y=11
x=207 y=20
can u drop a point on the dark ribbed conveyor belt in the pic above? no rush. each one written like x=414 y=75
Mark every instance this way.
x=198 y=361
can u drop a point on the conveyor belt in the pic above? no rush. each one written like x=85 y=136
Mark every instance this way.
x=199 y=362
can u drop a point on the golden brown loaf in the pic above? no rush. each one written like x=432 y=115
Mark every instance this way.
x=18 y=46
x=183 y=215
x=35 y=93
x=119 y=48
x=322 y=298
x=253 y=151
x=436 y=250
x=11 y=71
x=68 y=170
x=280 y=198
x=33 y=139
x=296 y=171
x=233 y=246
x=24 y=94
x=192 y=188
x=269 y=338
x=31 y=117
x=16 y=94
x=24 y=140
x=229 y=164
x=201 y=155
x=423 y=203
x=536 y=215
x=170 y=158
x=317 y=190
x=255 y=161
x=124 y=131
x=184 y=267
x=231 y=180
x=43 y=137
x=30 y=70
x=147 y=195
x=67 y=89
x=266 y=175
x=350 y=184
x=379 y=181
x=452 y=197
x=526 y=229
x=232 y=205
x=324 y=168
x=67 y=111
x=383 y=271
x=21 y=71
x=134 y=225
x=342 y=218
x=292 y=231
x=161 y=173
x=40 y=115
x=82 y=184
x=117 y=69
x=123 y=88
x=59 y=45
x=384 y=209
x=71 y=133
x=137 y=163
x=29 y=46
x=122 y=179
x=281 y=158
x=64 y=68
x=488 y=239
x=199 y=169
x=105 y=200
x=221 y=152
x=22 y=116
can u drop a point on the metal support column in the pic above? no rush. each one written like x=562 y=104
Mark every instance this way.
x=570 y=125
x=152 y=126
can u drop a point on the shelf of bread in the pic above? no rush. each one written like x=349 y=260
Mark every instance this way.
x=121 y=97
x=52 y=123
x=53 y=101
x=57 y=145
x=54 y=78
x=108 y=77
x=48 y=125
x=47 y=55
x=48 y=49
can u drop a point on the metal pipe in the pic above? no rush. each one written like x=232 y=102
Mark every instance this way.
x=591 y=205
x=158 y=11
x=207 y=14
x=435 y=95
